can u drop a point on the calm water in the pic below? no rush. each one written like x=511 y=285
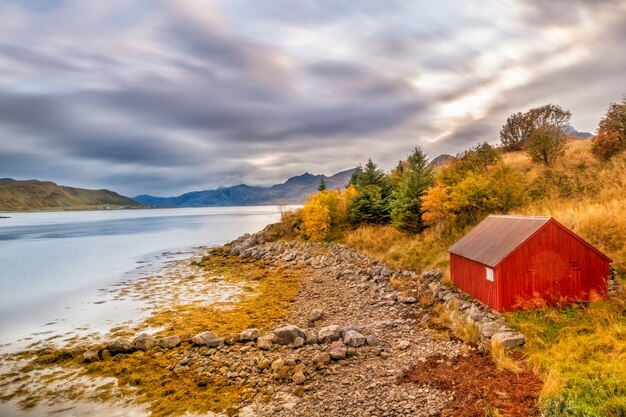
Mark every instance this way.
x=53 y=264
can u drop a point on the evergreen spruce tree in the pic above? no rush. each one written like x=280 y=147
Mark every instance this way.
x=415 y=178
x=371 y=204
x=322 y=186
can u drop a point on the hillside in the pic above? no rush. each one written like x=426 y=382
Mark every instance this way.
x=293 y=191
x=46 y=195
x=577 y=351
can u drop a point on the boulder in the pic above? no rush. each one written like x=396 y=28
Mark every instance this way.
x=91 y=356
x=509 y=340
x=354 y=339
x=346 y=329
x=372 y=341
x=311 y=337
x=337 y=350
x=265 y=342
x=120 y=346
x=489 y=328
x=144 y=342
x=287 y=335
x=169 y=342
x=249 y=335
x=207 y=339
x=329 y=334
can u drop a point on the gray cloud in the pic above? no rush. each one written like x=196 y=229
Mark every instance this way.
x=166 y=97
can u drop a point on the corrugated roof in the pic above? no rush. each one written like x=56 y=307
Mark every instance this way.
x=496 y=237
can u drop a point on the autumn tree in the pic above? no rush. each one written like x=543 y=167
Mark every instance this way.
x=545 y=145
x=325 y=213
x=415 y=176
x=316 y=218
x=516 y=133
x=476 y=159
x=610 y=137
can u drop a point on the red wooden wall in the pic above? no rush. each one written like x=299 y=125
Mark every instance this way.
x=469 y=276
x=553 y=265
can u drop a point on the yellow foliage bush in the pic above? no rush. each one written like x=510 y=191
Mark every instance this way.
x=316 y=218
x=325 y=210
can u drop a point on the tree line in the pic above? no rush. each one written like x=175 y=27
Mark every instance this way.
x=411 y=197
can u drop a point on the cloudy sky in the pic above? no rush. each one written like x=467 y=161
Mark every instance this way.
x=164 y=97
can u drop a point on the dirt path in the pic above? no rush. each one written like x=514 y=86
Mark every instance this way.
x=417 y=369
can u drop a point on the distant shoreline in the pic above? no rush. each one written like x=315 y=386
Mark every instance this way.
x=57 y=209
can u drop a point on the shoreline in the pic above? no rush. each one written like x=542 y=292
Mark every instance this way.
x=336 y=287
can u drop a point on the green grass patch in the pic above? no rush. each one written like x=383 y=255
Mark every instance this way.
x=580 y=351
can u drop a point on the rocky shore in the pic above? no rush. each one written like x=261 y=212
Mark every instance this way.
x=356 y=341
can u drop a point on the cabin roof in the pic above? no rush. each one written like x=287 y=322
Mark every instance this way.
x=496 y=237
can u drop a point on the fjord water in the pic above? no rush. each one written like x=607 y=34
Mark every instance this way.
x=52 y=264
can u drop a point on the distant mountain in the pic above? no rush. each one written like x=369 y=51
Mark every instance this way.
x=570 y=131
x=45 y=195
x=441 y=160
x=293 y=191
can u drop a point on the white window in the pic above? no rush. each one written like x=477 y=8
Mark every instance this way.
x=489 y=274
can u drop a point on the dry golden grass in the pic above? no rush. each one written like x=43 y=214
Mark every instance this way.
x=595 y=209
x=399 y=249
x=503 y=360
x=450 y=316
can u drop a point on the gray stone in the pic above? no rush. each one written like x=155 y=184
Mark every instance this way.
x=169 y=342
x=91 y=356
x=329 y=334
x=346 y=329
x=311 y=337
x=249 y=335
x=316 y=315
x=287 y=335
x=509 y=340
x=298 y=343
x=208 y=339
x=337 y=350
x=432 y=275
x=120 y=346
x=265 y=342
x=371 y=341
x=407 y=300
x=354 y=338
x=144 y=342
x=489 y=328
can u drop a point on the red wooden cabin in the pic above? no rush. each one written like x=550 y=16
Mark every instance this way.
x=507 y=262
